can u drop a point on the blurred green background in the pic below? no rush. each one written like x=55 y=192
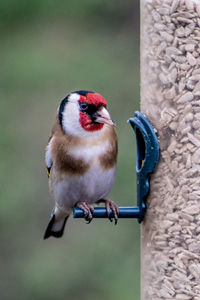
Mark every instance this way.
x=48 y=49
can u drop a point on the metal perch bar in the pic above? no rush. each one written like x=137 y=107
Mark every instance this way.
x=100 y=212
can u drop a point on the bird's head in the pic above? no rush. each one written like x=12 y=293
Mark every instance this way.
x=83 y=113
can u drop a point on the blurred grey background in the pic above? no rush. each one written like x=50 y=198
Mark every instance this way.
x=48 y=49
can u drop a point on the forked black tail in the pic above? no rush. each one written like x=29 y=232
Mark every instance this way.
x=56 y=232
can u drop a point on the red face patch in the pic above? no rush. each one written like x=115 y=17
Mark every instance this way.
x=93 y=98
x=87 y=123
x=85 y=120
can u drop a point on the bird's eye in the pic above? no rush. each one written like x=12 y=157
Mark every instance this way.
x=83 y=106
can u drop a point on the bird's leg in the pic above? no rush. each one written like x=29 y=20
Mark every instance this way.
x=110 y=204
x=87 y=209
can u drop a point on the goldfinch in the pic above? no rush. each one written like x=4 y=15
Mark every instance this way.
x=81 y=158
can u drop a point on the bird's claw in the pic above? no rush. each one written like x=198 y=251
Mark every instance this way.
x=109 y=204
x=88 y=211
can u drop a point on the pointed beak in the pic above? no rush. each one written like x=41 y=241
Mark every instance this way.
x=103 y=116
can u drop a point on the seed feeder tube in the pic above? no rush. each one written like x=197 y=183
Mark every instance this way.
x=170 y=98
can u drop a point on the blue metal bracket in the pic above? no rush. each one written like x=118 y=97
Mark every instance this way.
x=147 y=159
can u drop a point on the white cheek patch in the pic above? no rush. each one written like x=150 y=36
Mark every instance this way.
x=71 y=116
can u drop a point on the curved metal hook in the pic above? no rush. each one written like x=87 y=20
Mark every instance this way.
x=147 y=157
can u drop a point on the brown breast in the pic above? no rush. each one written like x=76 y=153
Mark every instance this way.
x=63 y=145
x=109 y=159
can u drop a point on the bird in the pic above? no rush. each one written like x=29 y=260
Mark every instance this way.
x=81 y=159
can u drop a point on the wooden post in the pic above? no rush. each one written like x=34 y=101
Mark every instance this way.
x=170 y=98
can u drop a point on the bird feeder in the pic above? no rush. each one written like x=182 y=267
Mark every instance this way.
x=170 y=98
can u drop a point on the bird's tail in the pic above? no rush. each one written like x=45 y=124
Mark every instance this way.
x=56 y=225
